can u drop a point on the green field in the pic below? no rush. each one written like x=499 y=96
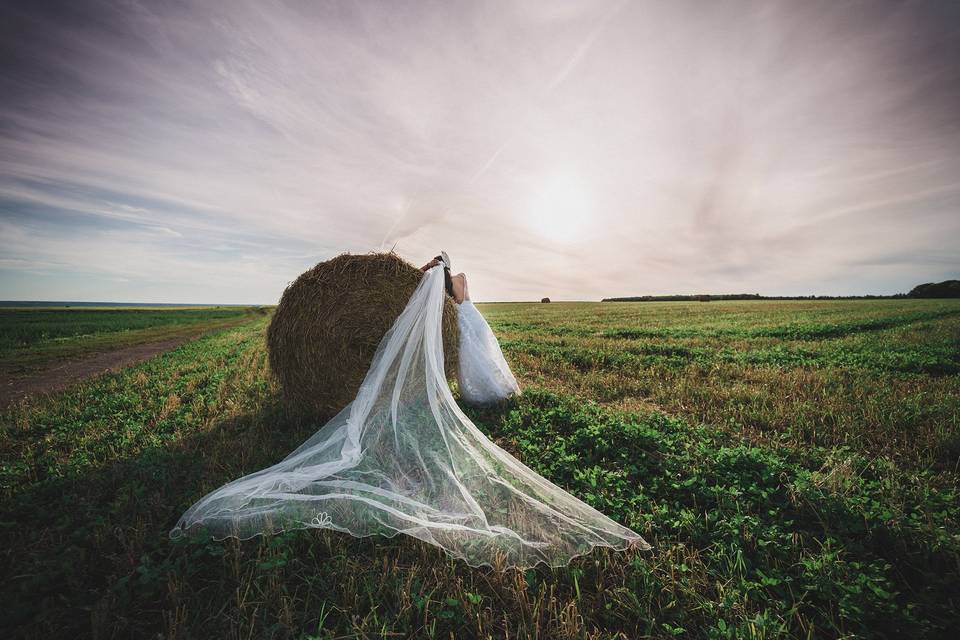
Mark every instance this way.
x=32 y=338
x=795 y=466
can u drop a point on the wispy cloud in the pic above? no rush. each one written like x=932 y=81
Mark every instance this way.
x=206 y=152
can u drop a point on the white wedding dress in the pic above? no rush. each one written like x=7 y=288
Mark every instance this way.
x=402 y=457
x=484 y=376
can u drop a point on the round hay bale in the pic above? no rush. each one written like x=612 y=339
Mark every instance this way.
x=328 y=324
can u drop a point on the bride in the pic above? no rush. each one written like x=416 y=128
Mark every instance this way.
x=402 y=457
x=483 y=375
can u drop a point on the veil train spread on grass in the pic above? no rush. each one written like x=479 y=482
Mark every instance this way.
x=403 y=458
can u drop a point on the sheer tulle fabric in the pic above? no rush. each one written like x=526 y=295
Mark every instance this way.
x=403 y=458
x=484 y=375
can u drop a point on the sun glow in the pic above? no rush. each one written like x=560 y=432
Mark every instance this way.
x=561 y=209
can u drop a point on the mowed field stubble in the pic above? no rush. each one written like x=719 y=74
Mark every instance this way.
x=794 y=465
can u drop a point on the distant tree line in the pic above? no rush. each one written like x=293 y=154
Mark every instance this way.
x=945 y=289
x=691 y=298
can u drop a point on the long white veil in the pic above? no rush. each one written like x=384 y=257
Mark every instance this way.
x=403 y=458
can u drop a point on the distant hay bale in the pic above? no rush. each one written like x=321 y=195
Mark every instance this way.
x=544 y=299
x=329 y=322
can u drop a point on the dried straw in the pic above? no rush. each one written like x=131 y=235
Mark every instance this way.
x=329 y=322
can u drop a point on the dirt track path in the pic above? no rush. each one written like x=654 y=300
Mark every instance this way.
x=59 y=377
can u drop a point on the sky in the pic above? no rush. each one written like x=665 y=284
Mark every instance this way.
x=210 y=152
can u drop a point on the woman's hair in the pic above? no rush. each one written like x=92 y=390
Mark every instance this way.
x=447 y=281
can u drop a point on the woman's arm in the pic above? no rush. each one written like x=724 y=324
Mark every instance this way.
x=430 y=265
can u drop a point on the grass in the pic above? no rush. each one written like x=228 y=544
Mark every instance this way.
x=786 y=372
x=34 y=338
x=794 y=484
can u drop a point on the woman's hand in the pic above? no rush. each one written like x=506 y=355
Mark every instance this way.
x=430 y=265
